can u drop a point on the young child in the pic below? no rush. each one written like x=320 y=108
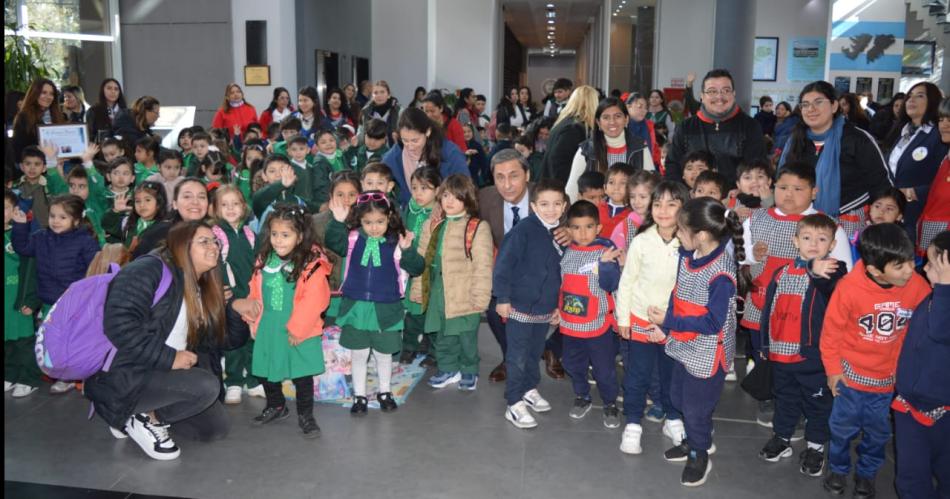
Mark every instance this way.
x=253 y=151
x=478 y=165
x=711 y=185
x=525 y=146
x=884 y=207
x=791 y=327
x=123 y=223
x=590 y=186
x=289 y=128
x=456 y=285
x=861 y=339
x=373 y=148
x=753 y=188
x=640 y=185
x=525 y=283
x=701 y=325
x=121 y=175
x=378 y=177
x=616 y=207
x=923 y=397
x=280 y=178
x=20 y=372
x=424 y=183
x=184 y=141
x=590 y=274
x=329 y=157
x=345 y=188
x=33 y=188
x=200 y=147
x=78 y=181
x=288 y=294
x=113 y=148
x=371 y=235
x=213 y=170
x=231 y=212
x=696 y=163
x=169 y=173
x=146 y=158
x=313 y=179
x=648 y=277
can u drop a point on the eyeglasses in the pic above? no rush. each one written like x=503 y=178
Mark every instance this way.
x=208 y=242
x=712 y=92
x=372 y=196
x=814 y=104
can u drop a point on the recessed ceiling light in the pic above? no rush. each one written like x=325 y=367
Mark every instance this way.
x=551 y=14
x=550 y=21
x=550 y=28
x=550 y=5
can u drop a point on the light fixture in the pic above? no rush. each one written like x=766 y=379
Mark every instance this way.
x=551 y=14
x=550 y=28
x=550 y=5
x=550 y=21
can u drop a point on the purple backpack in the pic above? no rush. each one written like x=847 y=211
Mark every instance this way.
x=71 y=344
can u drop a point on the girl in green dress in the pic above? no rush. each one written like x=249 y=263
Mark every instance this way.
x=423 y=183
x=124 y=223
x=20 y=302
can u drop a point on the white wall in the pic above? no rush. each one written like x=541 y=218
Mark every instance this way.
x=344 y=31
x=399 y=45
x=464 y=45
x=545 y=67
x=281 y=41
x=787 y=19
x=685 y=35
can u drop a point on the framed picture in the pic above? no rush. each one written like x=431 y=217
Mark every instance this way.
x=68 y=140
x=765 y=58
x=885 y=89
x=862 y=84
x=843 y=84
x=256 y=76
x=918 y=58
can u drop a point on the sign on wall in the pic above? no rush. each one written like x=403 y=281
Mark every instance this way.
x=806 y=59
x=866 y=42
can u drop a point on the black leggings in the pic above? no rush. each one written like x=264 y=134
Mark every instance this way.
x=304 y=387
x=188 y=400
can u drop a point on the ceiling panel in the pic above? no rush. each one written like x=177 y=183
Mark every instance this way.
x=528 y=19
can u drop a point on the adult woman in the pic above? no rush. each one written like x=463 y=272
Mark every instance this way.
x=572 y=127
x=611 y=142
x=421 y=144
x=417 y=97
x=336 y=111
x=278 y=109
x=38 y=109
x=167 y=371
x=434 y=106
x=659 y=114
x=349 y=90
x=383 y=106
x=505 y=110
x=100 y=115
x=465 y=107
x=135 y=123
x=936 y=213
x=882 y=123
x=308 y=111
x=74 y=109
x=847 y=161
x=190 y=204
x=235 y=114
x=785 y=121
x=916 y=150
x=641 y=127
x=526 y=107
x=853 y=112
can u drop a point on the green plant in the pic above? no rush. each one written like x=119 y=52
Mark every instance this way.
x=23 y=61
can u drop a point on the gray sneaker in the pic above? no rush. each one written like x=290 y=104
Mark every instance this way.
x=611 y=416
x=581 y=407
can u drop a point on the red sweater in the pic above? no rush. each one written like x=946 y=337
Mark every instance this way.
x=864 y=329
x=243 y=115
x=453 y=133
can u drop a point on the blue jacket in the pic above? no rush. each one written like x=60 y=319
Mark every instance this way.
x=923 y=368
x=918 y=175
x=528 y=268
x=61 y=259
x=453 y=161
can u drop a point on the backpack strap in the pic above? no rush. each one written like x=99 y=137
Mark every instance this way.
x=470 y=229
x=249 y=234
x=223 y=238
x=351 y=243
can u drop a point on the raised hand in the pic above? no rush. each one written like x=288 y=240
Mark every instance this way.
x=824 y=267
x=89 y=153
x=287 y=176
x=405 y=240
x=121 y=203
x=18 y=215
x=49 y=150
x=339 y=210
x=690 y=78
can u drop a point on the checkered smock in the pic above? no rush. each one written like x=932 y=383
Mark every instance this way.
x=586 y=309
x=785 y=320
x=776 y=231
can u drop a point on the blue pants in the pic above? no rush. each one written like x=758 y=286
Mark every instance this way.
x=855 y=412
x=525 y=344
x=555 y=343
x=640 y=362
x=798 y=392
x=599 y=352
x=696 y=399
x=497 y=327
x=923 y=452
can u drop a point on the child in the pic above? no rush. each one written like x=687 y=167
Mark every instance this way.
x=371 y=235
x=329 y=158
x=288 y=294
x=502 y=139
x=289 y=128
x=230 y=212
x=525 y=282
x=78 y=181
x=648 y=277
x=923 y=399
x=113 y=148
x=373 y=147
x=525 y=145
x=253 y=151
x=701 y=325
x=640 y=186
x=313 y=179
x=124 y=223
x=765 y=116
x=589 y=275
x=200 y=147
x=475 y=155
x=424 y=183
x=169 y=173
x=697 y=162
x=146 y=158
x=590 y=186
x=184 y=141
x=861 y=339
x=791 y=328
x=617 y=205
x=120 y=176
x=20 y=302
x=711 y=185
x=33 y=189
x=456 y=285
x=377 y=177
x=345 y=188
x=884 y=207
x=281 y=179
x=754 y=188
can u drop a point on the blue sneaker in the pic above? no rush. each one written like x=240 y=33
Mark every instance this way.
x=468 y=382
x=655 y=413
x=443 y=379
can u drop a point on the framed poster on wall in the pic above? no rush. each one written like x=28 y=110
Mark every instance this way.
x=842 y=84
x=885 y=89
x=806 y=59
x=862 y=84
x=765 y=58
x=918 y=58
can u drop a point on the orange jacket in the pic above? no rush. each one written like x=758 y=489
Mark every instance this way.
x=311 y=299
x=864 y=329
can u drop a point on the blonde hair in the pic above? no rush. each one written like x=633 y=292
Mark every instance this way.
x=582 y=106
x=219 y=193
x=109 y=254
x=226 y=104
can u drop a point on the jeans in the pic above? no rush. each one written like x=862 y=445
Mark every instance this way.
x=640 y=362
x=855 y=412
x=188 y=400
x=525 y=344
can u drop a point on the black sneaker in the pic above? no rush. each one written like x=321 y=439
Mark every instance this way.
x=775 y=449
x=611 y=416
x=308 y=425
x=407 y=357
x=428 y=362
x=697 y=469
x=272 y=414
x=813 y=462
x=863 y=487
x=677 y=454
x=835 y=483
x=581 y=407
x=359 y=406
x=386 y=402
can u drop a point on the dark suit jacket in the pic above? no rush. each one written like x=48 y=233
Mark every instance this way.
x=491 y=208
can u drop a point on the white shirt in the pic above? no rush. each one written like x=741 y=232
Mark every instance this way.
x=841 y=251
x=178 y=338
x=902 y=143
x=279 y=116
x=523 y=211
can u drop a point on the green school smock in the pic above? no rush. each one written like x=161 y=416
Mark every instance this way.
x=15 y=287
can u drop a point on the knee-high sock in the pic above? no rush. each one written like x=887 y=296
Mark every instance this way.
x=360 y=359
x=384 y=369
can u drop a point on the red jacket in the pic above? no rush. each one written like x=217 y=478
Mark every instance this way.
x=864 y=329
x=607 y=222
x=243 y=115
x=311 y=299
x=453 y=132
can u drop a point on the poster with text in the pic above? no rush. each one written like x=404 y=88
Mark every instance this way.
x=806 y=59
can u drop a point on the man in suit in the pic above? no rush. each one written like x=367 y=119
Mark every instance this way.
x=503 y=205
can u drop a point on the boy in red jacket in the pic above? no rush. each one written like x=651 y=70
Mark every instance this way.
x=861 y=339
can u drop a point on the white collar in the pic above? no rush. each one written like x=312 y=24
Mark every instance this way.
x=926 y=128
x=808 y=211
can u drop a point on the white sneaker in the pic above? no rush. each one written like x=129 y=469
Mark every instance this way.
x=117 y=433
x=674 y=430
x=153 y=438
x=233 y=395
x=257 y=391
x=731 y=375
x=7 y=386
x=535 y=401
x=61 y=387
x=519 y=416
x=20 y=391
x=630 y=442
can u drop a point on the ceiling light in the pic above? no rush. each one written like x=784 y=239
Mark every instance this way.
x=550 y=5
x=550 y=21
x=551 y=14
x=550 y=28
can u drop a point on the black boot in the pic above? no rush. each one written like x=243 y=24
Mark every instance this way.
x=835 y=483
x=359 y=406
x=308 y=424
x=863 y=487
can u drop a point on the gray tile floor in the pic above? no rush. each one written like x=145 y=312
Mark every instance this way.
x=446 y=444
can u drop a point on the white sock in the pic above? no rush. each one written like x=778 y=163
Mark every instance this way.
x=384 y=369
x=818 y=447
x=360 y=360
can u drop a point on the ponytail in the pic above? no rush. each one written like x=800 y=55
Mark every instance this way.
x=743 y=275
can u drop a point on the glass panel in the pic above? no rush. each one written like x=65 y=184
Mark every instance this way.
x=69 y=16
x=79 y=63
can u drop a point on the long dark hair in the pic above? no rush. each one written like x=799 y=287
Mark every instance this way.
x=662 y=99
x=855 y=114
x=676 y=190
x=101 y=109
x=708 y=214
x=435 y=98
x=370 y=201
x=799 y=137
x=273 y=101
x=415 y=96
x=155 y=190
x=304 y=253
x=344 y=105
x=460 y=103
x=598 y=142
x=30 y=114
x=931 y=115
x=415 y=119
x=315 y=97
x=204 y=295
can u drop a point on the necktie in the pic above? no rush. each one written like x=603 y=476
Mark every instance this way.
x=515 y=217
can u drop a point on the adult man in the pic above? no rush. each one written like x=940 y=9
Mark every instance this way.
x=562 y=92
x=503 y=205
x=719 y=127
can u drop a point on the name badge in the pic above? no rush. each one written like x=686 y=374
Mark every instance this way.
x=919 y=154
